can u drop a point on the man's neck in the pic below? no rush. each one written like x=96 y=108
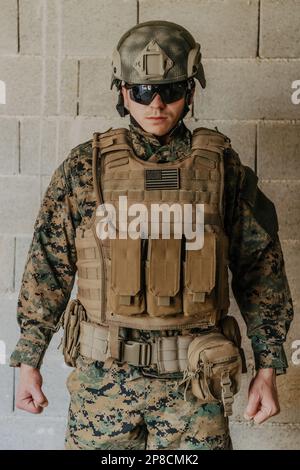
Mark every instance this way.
x=163 y=139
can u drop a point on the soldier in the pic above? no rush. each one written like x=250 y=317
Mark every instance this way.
x=157 y=359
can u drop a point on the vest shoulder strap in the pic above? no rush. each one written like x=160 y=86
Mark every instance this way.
x=212 y=140
x=113 y=139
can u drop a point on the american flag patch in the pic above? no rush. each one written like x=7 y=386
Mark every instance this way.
x=165 y=178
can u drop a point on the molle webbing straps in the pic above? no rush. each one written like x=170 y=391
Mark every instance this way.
x=169 y=354
x=171 y=287
x=163 y=277
x=97 y=189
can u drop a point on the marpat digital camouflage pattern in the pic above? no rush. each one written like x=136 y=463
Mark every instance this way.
x=110 y=408
x=113 y=409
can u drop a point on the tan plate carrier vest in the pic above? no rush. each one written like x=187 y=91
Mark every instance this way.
x=163 y=286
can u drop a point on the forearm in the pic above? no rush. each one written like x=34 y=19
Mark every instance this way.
x=264 y=298
x=48 y=276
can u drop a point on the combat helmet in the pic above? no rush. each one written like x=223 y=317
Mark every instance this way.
x=155 y=52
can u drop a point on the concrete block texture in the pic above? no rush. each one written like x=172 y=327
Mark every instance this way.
x=291 y=253
x=39 y=26
x=30 y=145
x=6 y=386
x=284 y=39
x=8 y=27
x=53 y=18
x=68 y=86
x=9 y=146
x=242 y=135
x=45 y=180
x=55 y=60
x=95 y=96
x=49 y=146
x=23 y=78
x=265 y=436
x=60 y=89
x=7 y=255
x=285 y=195
x=80 y=129
x=39 y=145
x=19 y=203
x=22 y=247
x=35 y=87
x=278 y=150
x=248 y=89
x=99 y=24
x=31 y=26
x=32 y=432
x=223 y=29
x=9 y=332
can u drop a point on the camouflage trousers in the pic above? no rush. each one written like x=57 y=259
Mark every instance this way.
x=120 y=408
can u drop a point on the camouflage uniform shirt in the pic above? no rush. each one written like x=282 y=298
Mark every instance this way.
x=259 y=281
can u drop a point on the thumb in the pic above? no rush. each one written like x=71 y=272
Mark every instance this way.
x=39 y=399
x=252 y=406
x=262 y=415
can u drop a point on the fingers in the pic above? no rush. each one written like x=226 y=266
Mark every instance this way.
x=262 y=416
x=44 y=404
x=265 y=413
x=252 y=406
x=27 y=404
x=263 y=399
x=260 y=408
x=39 y=399
x=32 y=401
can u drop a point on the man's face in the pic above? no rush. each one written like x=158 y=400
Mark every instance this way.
x=157 y=118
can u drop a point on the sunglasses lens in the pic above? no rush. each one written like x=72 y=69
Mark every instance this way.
x=142 y=94
x=173 y=92
x=169 y=93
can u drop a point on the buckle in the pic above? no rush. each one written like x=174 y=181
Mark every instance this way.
x=227 y=395
x=136 y=353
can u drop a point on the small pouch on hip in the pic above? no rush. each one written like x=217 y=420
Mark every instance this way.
x=71 y=319
x=215 y=367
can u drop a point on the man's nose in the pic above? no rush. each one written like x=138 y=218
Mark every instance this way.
x=157 y=102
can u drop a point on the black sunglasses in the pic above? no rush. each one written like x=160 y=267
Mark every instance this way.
x=169 y=92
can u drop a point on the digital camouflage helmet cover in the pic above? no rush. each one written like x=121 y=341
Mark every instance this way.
x=156 y=52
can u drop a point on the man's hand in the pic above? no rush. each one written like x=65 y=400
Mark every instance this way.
x=29 y=395
x=262 y=398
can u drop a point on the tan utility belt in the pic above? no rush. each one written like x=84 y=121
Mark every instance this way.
x=168 y=354
x=211 y=361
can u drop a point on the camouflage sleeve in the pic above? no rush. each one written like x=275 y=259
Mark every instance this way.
x=49 y=272
x=259 y=281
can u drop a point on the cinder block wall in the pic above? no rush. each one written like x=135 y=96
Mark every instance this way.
x=55 y=61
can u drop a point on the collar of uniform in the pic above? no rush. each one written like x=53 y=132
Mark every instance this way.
x=148 y=147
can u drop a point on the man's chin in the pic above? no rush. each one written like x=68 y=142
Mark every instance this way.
x=156 y=128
